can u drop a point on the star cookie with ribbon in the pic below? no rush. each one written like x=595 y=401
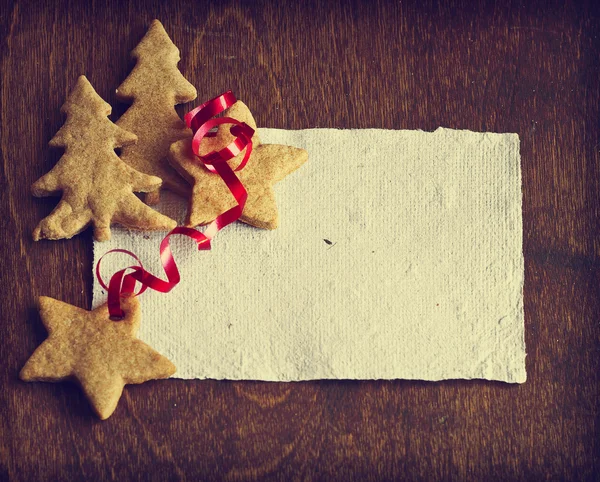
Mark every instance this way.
x=100 y=354
x=268 y=164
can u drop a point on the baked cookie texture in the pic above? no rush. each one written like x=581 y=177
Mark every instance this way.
x=97 y=187
x=154 y=87
x=268 y=164
x=100 y=354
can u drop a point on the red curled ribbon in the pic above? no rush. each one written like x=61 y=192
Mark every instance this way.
x=201 y=122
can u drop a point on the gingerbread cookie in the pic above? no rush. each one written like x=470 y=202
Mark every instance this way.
x=268 y=164
x=154 y=86
x=100 y=354
x=97 y=187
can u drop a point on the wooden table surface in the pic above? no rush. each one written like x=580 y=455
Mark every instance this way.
x=528 y=68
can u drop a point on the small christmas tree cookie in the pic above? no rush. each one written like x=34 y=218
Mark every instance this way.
x=268 y=164
x=154 y=86
x=97 y=187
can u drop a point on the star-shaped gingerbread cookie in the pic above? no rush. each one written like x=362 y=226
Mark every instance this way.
x=100 y=354
x=268 y=164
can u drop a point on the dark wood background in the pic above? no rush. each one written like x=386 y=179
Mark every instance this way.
x=526 y=67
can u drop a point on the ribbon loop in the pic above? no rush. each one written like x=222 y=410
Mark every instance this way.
x=198 y=116
x=243 y=139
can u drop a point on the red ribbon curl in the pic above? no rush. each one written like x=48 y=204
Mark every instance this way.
x=201 y=121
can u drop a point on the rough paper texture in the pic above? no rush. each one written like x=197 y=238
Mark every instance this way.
x=398 y=255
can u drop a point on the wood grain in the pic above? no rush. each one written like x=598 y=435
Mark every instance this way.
x=530 y=69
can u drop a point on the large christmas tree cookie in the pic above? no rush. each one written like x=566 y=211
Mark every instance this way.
x=100 y=354
x=97 y=187
x=154 y=86
x=268 y=164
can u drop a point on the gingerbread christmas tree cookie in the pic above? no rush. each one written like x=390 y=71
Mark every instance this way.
x=100 y=354
x=268 y=164
x=154 y=86
x=97 y=187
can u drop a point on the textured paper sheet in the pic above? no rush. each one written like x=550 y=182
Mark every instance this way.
x=399 y=255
